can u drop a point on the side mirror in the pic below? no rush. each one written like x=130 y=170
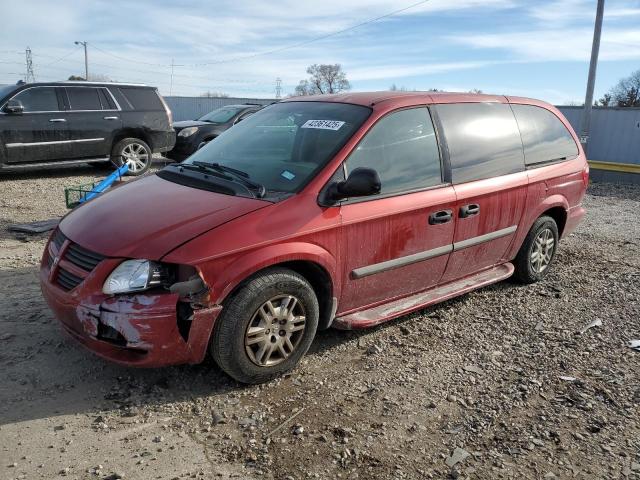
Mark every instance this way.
x=362 y=182
x=14 y=107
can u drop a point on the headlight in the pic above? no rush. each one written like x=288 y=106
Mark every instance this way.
x=187 y=132
x=134 y=276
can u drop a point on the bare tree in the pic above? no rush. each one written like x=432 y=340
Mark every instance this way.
x=625 y=94
x=323 y=79
x=98 y=77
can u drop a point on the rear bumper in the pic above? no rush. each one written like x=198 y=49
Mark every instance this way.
x=133 y=330
x=574 y=217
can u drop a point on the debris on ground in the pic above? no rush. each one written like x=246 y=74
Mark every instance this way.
x=38 y=227
x=457 y=456
x=595 y=323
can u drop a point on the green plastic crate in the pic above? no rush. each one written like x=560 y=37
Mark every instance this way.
x=73 y=195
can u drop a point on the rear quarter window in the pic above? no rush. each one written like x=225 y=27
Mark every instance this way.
x=483 y=140
x=544 y=136
x=142 y=98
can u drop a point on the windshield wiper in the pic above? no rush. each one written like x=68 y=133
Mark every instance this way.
x=200 y=168
x=242 y=177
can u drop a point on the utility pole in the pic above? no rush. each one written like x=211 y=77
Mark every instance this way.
x=171 y=84
x=86 y=59
x=29 y=77
x=588 y=101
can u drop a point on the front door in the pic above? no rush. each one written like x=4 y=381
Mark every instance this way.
x=93 y=118
x=399 y=242
x=40 y=133
x=487 y=171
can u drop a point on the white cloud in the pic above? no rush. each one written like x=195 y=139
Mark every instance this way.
x=557 y=45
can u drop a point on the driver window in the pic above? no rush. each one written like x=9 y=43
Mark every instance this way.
x=38 y=99
x=403 y=149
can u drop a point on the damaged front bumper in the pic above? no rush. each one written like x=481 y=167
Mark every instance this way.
x=143 y=329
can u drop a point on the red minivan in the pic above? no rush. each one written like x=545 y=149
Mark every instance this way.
x=337 y=210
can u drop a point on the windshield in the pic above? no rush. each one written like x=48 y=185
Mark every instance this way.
x=284 y=145
x=221 y=115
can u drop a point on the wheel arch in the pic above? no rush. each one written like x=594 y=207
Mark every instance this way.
x=559 y=215
x=138 y=133
x=556 y=206
x=315 y=264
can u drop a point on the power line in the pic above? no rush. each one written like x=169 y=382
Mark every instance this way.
x=59 y=59
x=276 y=50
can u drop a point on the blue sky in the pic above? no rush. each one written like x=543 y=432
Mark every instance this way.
x=538 y=49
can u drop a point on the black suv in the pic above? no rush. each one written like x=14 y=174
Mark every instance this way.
x=82 y=122
x=192 y=134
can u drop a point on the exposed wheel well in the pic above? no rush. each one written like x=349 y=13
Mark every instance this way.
x=319 y=279
x=560 y=216
x=131 y=133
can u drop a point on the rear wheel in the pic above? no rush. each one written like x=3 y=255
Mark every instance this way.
x=267 y=327
x=538 y=251
x=135 y=153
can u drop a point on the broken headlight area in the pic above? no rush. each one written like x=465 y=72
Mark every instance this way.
x=137 y=276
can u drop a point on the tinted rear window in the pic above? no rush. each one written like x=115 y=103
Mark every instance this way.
x=142 y=98
x=483 y=140
x=544 y=136
x=84 y=98
x=106 y=100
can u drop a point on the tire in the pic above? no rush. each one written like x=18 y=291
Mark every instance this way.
x=536 y=255
x=135 y=152
x=237 y=351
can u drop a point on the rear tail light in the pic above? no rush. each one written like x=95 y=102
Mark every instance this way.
x=585 y=175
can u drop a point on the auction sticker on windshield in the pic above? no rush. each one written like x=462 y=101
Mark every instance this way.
x=323 y=124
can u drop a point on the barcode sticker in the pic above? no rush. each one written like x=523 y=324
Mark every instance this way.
x=323 y=124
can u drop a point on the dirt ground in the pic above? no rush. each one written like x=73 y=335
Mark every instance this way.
x=499 y=383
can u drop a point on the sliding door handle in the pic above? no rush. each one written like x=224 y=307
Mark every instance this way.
x=468 y=210
x=57 y=120
x=443 y=216
x=110 y=118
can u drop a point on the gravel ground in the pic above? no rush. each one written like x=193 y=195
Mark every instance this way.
x=499 y=383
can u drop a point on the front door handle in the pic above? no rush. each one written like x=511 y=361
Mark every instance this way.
x=57 y=120
x=443 y=216
x=110 y=118
x=468 y=210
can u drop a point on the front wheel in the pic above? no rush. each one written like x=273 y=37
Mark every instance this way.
x=538 y=251
x=135 y=153
x=266 y=327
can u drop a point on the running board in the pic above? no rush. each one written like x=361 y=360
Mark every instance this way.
x=396 y=308
x=53 y=163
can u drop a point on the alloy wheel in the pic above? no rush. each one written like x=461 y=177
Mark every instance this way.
x=136 y=156
x=275 y=330
x=542 y=251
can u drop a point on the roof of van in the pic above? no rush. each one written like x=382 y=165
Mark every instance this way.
x=373 y=98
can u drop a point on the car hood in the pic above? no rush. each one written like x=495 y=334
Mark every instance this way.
x=190 y=123
x=148 y=218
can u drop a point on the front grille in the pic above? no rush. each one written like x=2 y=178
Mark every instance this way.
x=67 y=280
x=83 y=258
